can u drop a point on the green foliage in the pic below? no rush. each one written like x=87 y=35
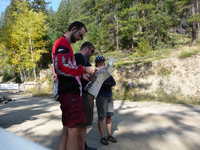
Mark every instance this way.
x=58 y=21
x=189 y=10
x=28 y=29
x=28 y=44
x=149 y=20
x=23 y=37
x=194 y=18
x=143 y=47
x=7 y=76
x=3 y=57
x=122 y=24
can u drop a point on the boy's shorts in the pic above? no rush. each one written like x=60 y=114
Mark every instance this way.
x=104 y=107
x=72 y=107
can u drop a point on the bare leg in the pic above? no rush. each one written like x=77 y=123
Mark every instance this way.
x=63 y=142
x=75 y=139
x=82 y=137
x=109 y=128
x=109 y=125
x=102 y=127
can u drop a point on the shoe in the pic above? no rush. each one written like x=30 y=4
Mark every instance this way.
x=112 y=139
x=104 y=141
x=89 y=148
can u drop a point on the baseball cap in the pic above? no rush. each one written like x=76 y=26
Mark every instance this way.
x=99 y=59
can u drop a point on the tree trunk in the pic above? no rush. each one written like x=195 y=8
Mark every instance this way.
x=194 y=24
x=21 y=76
x=198 y=12
x=34 y=73
x=31 y=48
x=117 y=32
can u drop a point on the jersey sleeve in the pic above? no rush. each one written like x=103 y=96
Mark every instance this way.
x=64 y=65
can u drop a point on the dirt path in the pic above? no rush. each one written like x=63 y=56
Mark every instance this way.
x=137 y=125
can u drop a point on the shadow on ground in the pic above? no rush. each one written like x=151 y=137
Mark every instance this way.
x=137 y=127
x=136 y=136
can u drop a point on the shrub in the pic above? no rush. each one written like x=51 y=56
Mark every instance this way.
x=7 y=76
x=143 y=47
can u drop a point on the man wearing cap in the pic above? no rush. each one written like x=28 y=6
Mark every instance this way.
x=104 y=105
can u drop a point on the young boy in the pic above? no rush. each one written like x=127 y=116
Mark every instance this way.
x=104 y=105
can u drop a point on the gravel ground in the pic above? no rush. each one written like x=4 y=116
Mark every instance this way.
x=137 y=125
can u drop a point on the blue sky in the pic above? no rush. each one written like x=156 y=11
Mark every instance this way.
x=53 y=3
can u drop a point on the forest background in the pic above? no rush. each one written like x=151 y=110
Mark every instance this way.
x=140 y=28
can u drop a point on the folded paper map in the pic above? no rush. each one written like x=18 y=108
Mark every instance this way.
x=100 y=76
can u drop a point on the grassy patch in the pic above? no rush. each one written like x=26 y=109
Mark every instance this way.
x=185 y=54
x=180 y=39
x=134 y=58
x=128 y=57
x=39 y=91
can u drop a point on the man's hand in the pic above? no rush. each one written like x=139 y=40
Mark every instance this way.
x=86 y=76
x=89 y=70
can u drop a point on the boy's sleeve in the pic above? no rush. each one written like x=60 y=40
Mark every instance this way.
x=110 y=81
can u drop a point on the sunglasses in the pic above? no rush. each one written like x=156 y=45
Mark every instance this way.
x=80 y=34
x=92 y=50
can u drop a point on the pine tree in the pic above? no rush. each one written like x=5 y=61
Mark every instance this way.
x=190 y=11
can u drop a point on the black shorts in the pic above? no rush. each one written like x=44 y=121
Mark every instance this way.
x=88 y=101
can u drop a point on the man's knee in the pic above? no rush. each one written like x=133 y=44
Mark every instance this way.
x=73 y=131
x=76 y=131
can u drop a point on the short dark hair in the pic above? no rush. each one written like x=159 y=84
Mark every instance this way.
x=78 y=25
x=86 y=44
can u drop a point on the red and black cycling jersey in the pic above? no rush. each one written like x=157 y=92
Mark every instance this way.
x=68 y=73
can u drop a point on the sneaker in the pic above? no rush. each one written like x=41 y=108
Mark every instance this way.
x=112 y=139
x=104 y=141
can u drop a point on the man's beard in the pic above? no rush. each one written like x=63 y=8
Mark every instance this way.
x=72 y=38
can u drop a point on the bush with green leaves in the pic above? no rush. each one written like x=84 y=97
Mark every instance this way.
x=143 y=47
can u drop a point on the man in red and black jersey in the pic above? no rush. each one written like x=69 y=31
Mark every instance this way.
x=68 y=74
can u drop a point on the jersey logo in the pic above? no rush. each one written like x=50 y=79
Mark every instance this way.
x=62 y=50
